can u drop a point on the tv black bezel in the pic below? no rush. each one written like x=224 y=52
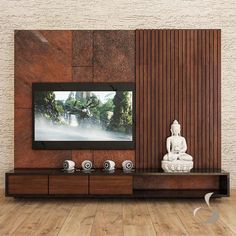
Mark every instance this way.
x=81 y=145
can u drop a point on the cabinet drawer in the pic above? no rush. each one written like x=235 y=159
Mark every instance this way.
x=111 y=185
x=27 y=184
x=68 y=184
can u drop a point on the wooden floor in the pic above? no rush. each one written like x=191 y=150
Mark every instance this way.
x=114 y=217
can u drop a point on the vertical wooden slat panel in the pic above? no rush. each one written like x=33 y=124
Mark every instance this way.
x=219 y=99
x=149 y=147
x=196 y=131
x=137 y=69
x=164 y=90
x=184 y=124
x=207 y=120
x=141 y=98
x=169 y=89
x=180 y=91
x=188 y=87
x=215 y=97
x=199 y=93
x=159 y=86
x=203 y=98
x=171 y=81
x=192 y=92
x=153 y=101
x=180 y=84
x=145 y=130
x=211 y=105
x=178 y=76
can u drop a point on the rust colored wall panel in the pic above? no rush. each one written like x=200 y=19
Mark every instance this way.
x=40 y=56
x=178 y=75
x=82 y=41
x=78 y=156
x=114 y=56
x=25 y=156
x=82 y=74
x=116 y=155
x=64 y=56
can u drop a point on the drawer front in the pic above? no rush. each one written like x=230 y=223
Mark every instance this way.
x=68 y=184
x=176 y=182
x=27 y=184
x=111 y=185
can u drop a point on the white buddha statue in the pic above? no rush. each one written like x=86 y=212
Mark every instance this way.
x=176 y=160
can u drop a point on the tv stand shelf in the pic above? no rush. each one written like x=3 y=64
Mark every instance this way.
x=99 y=183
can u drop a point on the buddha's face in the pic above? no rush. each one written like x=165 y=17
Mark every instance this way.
x=175 y=129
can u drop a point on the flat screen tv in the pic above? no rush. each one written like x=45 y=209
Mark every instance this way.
x=83 y=115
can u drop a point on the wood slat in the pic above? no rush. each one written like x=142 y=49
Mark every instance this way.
x=178 y=77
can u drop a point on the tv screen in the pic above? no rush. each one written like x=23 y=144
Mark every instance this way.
x=83 y=116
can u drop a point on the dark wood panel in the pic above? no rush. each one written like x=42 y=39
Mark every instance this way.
x=82 y=43
x=68 y=184
x=176 y=182
x=178 y=77
x=114 y=56
x=27 y=184
x=111 y=185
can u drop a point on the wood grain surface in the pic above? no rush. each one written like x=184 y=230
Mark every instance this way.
x=114 y=217
x=178 y=77
x=111 y=185
x=22 y=184
x=68 y=184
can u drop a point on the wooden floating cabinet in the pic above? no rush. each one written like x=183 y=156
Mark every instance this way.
x=98 y=183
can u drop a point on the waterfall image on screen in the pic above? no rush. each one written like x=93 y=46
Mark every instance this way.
x=83 y=115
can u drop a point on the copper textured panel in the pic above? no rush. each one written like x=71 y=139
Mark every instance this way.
x=82 y=74
x=114 y=56
x=111 y=185
x=40 y=56
x=118 y=156
x=78 y=156
x=28 y=184
x=82 y=48
x=178 y=77
x=25 y=156
x=68 y=184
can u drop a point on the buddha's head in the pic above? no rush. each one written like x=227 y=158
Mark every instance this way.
x=175 y=128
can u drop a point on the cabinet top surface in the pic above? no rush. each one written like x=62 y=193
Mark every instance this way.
x=138 y=172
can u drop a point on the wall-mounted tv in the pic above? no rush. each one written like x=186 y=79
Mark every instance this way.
x=83 y=115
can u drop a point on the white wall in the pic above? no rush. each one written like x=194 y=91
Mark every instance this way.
x=118 y=14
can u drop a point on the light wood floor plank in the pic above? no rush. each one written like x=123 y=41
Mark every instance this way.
x=99 y=217
x=108 y=219
x=55 y=218
x=80 y=219
x=136 y=218
x=35 y=220
x=217 y=228
x=165 y=218
x=15 y=216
